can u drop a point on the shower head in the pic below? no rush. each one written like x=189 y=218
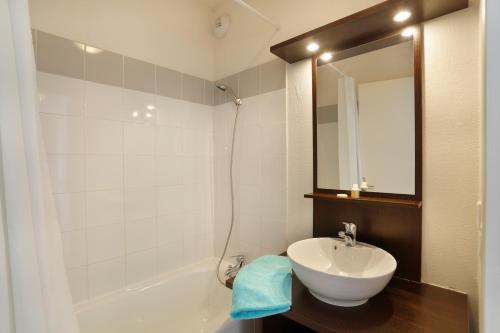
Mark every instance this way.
x=221 y=87
x=226 y=89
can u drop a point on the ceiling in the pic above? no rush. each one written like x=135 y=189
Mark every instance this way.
x=212 y=3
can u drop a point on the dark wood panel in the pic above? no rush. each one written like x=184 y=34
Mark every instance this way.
x=365 y=200
x=402 y=307
x=394 y=228
x=364 y=26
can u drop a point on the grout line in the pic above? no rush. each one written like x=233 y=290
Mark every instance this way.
x=85 y=225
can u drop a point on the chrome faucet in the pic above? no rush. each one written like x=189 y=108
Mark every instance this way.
x=232 y=270
x=349 y=235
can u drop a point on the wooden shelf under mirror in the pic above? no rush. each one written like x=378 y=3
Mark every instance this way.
x=366 y=200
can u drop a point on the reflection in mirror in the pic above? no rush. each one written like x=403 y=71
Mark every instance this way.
x=366 y=121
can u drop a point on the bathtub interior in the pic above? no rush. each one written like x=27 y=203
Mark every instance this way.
x=188 y=300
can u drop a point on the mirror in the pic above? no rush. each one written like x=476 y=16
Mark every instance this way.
x=365 y=120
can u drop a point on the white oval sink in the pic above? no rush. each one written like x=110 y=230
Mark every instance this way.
x=338 y=274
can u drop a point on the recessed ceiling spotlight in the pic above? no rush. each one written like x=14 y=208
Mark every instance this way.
x=312 y=47
x=402 y=16
x=327 y=56
x=408 y=32
x=150 y=107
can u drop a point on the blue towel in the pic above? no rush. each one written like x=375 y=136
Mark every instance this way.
x=262 y=288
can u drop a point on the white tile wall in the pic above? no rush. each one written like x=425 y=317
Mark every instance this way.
x=260 y=173
x=139 y=180
x=132 y=179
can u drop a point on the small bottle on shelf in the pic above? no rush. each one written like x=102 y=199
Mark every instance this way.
x=355 y=191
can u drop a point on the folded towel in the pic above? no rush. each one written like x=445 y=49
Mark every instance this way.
x=262 y=288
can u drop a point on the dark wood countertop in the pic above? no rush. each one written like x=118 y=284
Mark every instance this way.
x=403 y=306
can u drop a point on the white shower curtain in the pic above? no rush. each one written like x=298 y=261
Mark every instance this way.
x=348 y=123
x=34 y=293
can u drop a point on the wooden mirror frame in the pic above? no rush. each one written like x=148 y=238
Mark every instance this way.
x=375 y=44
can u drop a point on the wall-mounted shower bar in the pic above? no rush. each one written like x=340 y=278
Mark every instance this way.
x=256 y=12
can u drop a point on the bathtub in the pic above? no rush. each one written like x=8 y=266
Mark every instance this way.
x=187 y=300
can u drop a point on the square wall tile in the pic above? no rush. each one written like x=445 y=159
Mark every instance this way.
x=273 y=235
x=103 y=136
x=273 y=205
x=274 y=173
x=195 y=170
x=60 y=95
x=273 y=140
x=168 y=140
x=105 y=242
x=103 y=101
x=71 y=210
x=273 y=107
x=170 y=228
x=77 y=280
x=249 y=82
x=195 y=224
x=141 y=235
x=141 y=266
x=170 y=111
x=250 y=228
x=208 y=96
x=107 y=276
x=249 y=113
x=62 y=134
x=139 y=138
x=139 y=171
x=273 y=76
x=249 y=200
x=60 y=56
x=74 y=248
x=104 y=207
x=170 y=256
x=67 y=173
x=139 y=75
x=170 y=200
x=198 y=117
x=196 y=249
x=140 y=203
x=104 y=172
x=104 y=67
x=169 y=170
x=168 y=82
x=192 y=88
x=195 y=143
x=139 y=107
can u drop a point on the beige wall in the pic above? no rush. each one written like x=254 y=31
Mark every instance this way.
x=451 y=153
x=171 y=33
x=299 y=151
